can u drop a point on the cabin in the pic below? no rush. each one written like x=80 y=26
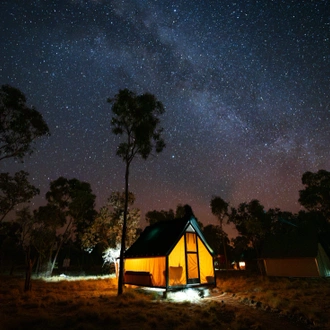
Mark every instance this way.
x=170 y=255
x=296 y=255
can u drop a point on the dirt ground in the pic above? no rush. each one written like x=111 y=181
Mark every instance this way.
x=94 y=304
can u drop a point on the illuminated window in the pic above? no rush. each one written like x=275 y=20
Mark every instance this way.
x=191 y=243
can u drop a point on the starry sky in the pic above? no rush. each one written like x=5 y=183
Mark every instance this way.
x=245 y=85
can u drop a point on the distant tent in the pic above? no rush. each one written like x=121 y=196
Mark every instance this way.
x=170 y=255
x=296 y=255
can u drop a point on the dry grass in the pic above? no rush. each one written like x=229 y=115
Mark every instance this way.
x=299 y=298
x=93 y=304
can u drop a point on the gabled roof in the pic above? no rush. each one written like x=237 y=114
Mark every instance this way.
x=160 y=238
x=295 y=245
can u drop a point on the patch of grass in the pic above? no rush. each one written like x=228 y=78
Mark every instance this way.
x=93 y=304
x=305 y=298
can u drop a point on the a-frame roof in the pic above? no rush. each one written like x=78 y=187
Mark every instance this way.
x=160 y=238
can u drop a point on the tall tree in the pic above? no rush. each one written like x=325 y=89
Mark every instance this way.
x=316 y=193
x=20 y=125
x=14 y=190
x=25 y=221
x=136 y=119
x=69 y=210
x=219 y=208
x=252 y=222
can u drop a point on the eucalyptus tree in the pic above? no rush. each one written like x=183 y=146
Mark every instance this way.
x=155 y=216
x=315 y=196
x=70 y=209
x=106 y=229
x=252 y=222
x=20 y=125
x=136 y=118
x=219 y=208
x=14 y=190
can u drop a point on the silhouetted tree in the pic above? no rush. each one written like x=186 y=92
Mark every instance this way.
x=14 y=190
x=20 y=125
x=316 y=194
x=252 y=222
x=106 y=229
x=25 y=221
x=215 y=237
x=136 y=119
x=70 y=208
x=154 y=216
x=219 y=208
x=282 y=222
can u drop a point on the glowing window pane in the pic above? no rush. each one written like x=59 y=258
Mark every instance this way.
x=192 y=265
x=191 y=245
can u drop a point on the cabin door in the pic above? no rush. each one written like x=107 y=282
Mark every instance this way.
x=192 y=258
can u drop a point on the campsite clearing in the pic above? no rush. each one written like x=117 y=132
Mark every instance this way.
x=93 y=304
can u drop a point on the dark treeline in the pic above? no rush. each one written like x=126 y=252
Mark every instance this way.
x=68 y=232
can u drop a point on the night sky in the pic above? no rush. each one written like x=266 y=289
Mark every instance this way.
x=245 y=85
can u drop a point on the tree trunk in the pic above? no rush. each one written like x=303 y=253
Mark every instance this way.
x=123 y=237
x=28 y=271
x=224 y=244
x=225 y=252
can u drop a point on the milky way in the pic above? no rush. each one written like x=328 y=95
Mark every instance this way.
x=245 y=85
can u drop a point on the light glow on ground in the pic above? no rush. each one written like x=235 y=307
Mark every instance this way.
x=64 y=277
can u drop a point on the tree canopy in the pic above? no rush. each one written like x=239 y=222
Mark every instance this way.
x=252 y=222
x=14 y=190
x=136 y=119
x=20 y=125
x=106 y=229
x=155 y=216
x=316 y=193
x=70 y=208
x=219 y=208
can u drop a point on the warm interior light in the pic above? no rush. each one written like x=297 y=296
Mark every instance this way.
x=241 y=265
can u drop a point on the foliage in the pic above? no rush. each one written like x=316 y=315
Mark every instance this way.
x=49 y=219
x=219 y=208
x=20 y=125
x=136 y=119
x=215 y=237
x=252 y=222
x=25 y=223
x=107 y=226
x=14 y=190
x=282 y=222
x=70 y=208
x=154 y=216
x=75 y=199
x=182 y=211
x=316 y=194
x=185 y=211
